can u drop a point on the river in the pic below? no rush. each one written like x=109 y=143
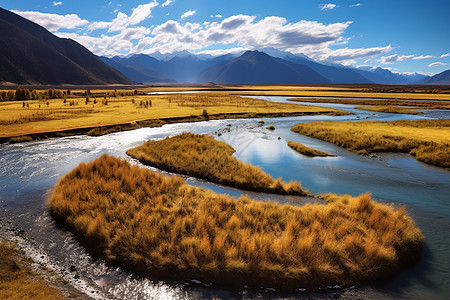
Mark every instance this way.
x=29 y=170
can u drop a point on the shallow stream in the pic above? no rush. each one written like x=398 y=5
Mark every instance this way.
x=29 y=170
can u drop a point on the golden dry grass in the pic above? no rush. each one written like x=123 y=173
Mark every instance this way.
x=427 y=140
x=18 y=281
x=72 y=113
x=302 y=149
x=165 y=229
x=390 y=109
x=204 y=157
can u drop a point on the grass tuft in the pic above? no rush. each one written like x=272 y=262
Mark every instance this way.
x=302 y=149
x=165 y=229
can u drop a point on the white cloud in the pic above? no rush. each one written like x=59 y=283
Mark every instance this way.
x=57 y=3
x=188 y=13
x=328 y=6
x=216 y=16
x=436 y=64
x=123 y=35
x=122 y=21
x=53 y=22
x=167 y=3
x=445 y=55
x=395 y=58
x=422 y=57
x=141 y=12
x=348 y=56
x=355 y=5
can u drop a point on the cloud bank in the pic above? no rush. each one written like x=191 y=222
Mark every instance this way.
x=125 y=35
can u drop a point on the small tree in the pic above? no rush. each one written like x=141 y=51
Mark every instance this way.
x=205 y=114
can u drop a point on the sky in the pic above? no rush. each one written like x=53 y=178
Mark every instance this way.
x=404 y=36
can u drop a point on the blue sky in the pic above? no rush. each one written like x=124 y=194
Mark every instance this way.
x=404 y=36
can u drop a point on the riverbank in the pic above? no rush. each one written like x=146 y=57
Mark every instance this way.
x=427 y=140
x=162 y=228
x=18 y=280
x=391 y=109
x=35 y=119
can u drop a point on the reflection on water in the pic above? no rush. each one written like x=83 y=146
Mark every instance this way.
x=28 y=170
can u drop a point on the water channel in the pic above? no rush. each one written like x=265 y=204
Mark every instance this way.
x=29 y=170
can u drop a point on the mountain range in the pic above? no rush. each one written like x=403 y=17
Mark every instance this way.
x=266 y=66
x=30 y=54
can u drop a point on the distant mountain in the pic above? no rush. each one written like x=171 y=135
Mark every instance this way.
x=441 y=78
x=182 y=67
x=384 y=76
x=250 y=67
x=138 y=68
x=259 y=67
x=30 y=54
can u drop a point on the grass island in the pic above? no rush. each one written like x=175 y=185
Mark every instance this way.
x=162 y=228
x=204 y=157
x=302 y=149
x=427 y=140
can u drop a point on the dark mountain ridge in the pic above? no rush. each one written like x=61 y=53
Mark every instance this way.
x=33 y=55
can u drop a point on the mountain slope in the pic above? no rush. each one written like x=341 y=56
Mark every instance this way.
x=441 y=78
x=258 y=67
x=33 y=55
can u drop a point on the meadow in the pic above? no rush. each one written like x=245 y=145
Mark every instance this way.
x=302 y=149
x=163 y=228
x=18 y=280
x=427 y=140
x=101 y=111
x=204 y=157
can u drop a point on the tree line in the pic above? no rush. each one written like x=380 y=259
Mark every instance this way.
x=22 y=93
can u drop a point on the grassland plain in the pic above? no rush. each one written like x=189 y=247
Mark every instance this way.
x=302 y=149
x=204 y=157
x=18 y=280
x=163 y=228
x=101 y=115
x=427 y=140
